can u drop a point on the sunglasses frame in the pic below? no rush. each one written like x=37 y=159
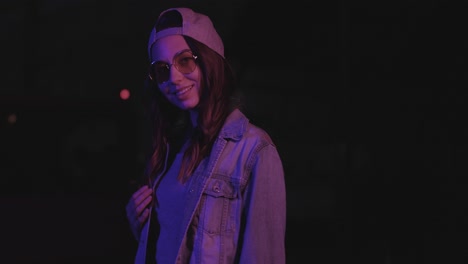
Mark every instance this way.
x=168 y=66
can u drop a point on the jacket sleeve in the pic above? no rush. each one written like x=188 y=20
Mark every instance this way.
x=263 y=228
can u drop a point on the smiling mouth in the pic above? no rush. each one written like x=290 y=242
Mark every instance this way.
x=183 y=91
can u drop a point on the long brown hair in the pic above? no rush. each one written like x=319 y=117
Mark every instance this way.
x=170 y=124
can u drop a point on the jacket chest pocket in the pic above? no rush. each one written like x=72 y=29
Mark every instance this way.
x=218 y=207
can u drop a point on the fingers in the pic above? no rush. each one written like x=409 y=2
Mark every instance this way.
x=143 y=204
x=144 y=216
x=137 y=223
x=138 y=208
x=142 y=198
x=140 y=195
x=141 y=190
x=138 y=202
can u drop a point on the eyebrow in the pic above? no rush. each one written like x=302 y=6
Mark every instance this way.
x=175 y=55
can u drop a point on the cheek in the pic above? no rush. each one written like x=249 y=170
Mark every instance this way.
x=165 y=93
x=197 y=77
x=163 y=89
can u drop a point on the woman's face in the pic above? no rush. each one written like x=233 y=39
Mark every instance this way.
x=176 y=72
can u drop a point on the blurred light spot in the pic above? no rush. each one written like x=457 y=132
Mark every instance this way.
x=124 y=94
x=11 y=118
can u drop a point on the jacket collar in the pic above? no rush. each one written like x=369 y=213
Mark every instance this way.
x=234 y=126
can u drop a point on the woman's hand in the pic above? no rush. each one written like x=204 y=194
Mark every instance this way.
x=138 y=209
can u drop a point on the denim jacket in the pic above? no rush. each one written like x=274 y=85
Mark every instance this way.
x=236 y=203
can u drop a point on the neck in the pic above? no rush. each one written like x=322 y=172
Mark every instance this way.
x=193 y=117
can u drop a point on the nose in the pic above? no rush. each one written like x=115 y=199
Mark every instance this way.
x=174 y=74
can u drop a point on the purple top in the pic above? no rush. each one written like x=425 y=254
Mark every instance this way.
x=170 y=196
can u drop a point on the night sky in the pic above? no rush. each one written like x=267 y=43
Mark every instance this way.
x=364 y=101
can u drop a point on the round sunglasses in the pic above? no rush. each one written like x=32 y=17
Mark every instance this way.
x=184 y=61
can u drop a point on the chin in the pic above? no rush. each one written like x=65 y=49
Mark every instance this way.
x=188 y=105
x=185 y=106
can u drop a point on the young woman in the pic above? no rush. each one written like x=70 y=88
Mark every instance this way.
x=215 y=189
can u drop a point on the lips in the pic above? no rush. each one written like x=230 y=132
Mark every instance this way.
x=183 y=90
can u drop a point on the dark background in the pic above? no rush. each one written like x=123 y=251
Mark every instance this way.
x=364 y=100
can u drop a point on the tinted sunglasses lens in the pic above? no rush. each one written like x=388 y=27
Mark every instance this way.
x=185 y=62
x=159 y=72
